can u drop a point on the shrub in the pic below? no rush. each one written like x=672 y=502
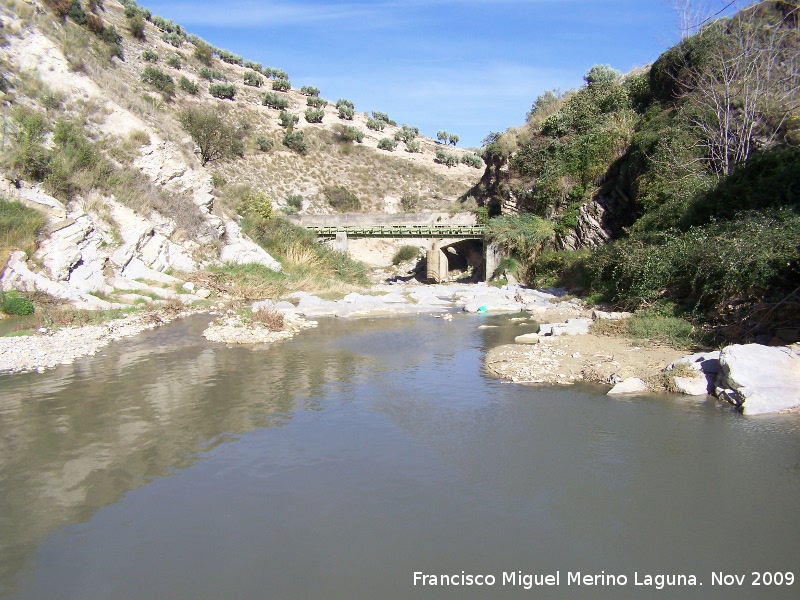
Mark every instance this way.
x=472 y=159
x=113 y=40
x=270 y=318
x=29 y=158
x=406 y=133
x=203 y=52
x=342 y=199
x=405 y=253
x=253 y=79
x=316 y=102
x=15 y=305
x=281 y=85
x=188 y=86
x=273 y=73
x=343 y=102
x=255 y=66
x=216 y=139
x=224 y=91
x=150 y=55
x=211 y=74
x=525 y=235
x=442 y=137
x=413 y=146
x=76 y=13
x=294 y=201
x=288 y=120
x=375 y=124
x=19 y=226
x=174 y=62
x=352 y=134
x=265 y=144
x=295 y=140
x=387 y=144
x=230 y=57
x=453 y=139
x=308 y=90
x=409 y=202
x=159 y=80
x=276 y=101
x=256 y=205
x=136 y=26
x=314 y=115
x=381 y=116
x=345 y=112
x=173 y=39
x=59 y=7
x=446 y=158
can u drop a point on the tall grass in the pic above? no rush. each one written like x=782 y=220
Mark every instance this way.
x=19 y=226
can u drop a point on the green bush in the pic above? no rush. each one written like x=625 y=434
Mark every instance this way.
x=203 y=52
x=281 y=85
x=150 y=55
x=352 y=134
x=472 y=159
x=273 y=73
x=387 y=144
x=342 y=199
x=28 y=157
x=345 y=112
x=265 y=144
x=173 y=39
x=344 y=103
x=15 y=305
x=174 y=62
x=446 y=158
x=316 y=102
x=224 y=91
x=216 y=139
x=413 y=146
x=525 y=235
x=276 y=101
x=382 y=116
x=255 y=66
x=136 y=26
x=405 y=253
x=256 y=205
x=406 y=133
x=159 y=80
x=288 y=120
x=19 y=227
x=314 y=115
x=295 y=140
x=253 y=79
x=308 y=90
x=409 y=202
x=211 y=74
x=294 y=201
x=452 y=138
x=230 y=57
x=188 y=86
x=375 y=124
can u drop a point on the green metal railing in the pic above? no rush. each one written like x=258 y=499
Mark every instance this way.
x=401 y=231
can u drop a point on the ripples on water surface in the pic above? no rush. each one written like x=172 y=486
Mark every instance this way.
x=339 y=463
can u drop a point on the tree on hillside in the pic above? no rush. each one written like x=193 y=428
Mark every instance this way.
x=453 y=139
x=442 y=137
x=216 y=139
x=744 y=94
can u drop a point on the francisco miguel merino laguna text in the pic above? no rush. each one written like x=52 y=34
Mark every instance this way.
x=531 y=580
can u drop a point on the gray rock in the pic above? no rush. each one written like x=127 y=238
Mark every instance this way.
x=691 y=386
x=707 y=362
x=578 y=326
x=760 y=379
x=631 y=385
x=527 y=338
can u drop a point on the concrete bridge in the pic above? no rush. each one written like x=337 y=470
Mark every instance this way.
x=452 y=240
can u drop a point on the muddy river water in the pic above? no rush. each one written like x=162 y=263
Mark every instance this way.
x=372 y=458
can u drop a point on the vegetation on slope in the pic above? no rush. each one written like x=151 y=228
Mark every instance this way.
x=698 y=159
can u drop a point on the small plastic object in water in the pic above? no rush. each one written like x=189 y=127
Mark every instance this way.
x=481 y=309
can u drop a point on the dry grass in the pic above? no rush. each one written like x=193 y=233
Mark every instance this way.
x=269 y=318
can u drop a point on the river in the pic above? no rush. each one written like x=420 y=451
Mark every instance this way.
x=342 y=462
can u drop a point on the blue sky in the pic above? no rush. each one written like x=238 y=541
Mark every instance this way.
x=469 y=67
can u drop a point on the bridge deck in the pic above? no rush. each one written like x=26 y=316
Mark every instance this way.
x=401 y=231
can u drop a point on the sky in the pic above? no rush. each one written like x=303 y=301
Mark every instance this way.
x=469 y=67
